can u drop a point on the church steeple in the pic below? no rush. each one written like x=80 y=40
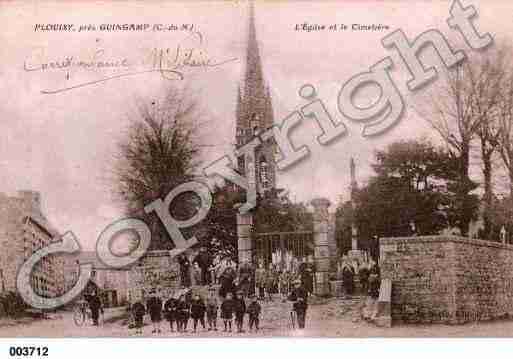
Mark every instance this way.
x=254 y=110
x=254 y=76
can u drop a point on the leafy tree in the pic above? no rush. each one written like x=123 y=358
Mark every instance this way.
x=220 y=225
x=415 y=186
x=277 y=213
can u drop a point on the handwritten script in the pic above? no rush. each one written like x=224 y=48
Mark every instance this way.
x=172 y=63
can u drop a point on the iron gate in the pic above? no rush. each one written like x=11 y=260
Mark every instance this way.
x=282 y=247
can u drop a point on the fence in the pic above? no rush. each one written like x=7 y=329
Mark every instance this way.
x=282 y=247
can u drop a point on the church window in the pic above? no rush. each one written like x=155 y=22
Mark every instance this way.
x=255 y=123
x=241 y=165
x=264 y=173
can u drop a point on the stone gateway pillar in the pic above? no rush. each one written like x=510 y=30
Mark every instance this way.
x=321 y=245
x=244 y=242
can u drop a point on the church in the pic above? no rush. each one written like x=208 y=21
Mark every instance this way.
x=254 y=114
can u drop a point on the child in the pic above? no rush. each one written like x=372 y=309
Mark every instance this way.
x=183 y=311
x=170 y=312
x=138 y=311
x=227 y=312
x=212 y=309
x=254 y=310
x=154 y=305
x=198 y=311
x=239 y=310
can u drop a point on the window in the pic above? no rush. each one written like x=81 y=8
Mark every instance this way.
x=264 y=173
x=241 y=165
x=255 y=124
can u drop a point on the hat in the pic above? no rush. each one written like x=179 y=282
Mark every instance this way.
x=297 y=281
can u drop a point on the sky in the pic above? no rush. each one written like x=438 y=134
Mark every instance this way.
x=62 y=144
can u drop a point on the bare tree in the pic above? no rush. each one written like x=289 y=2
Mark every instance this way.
x=505 y=120
x=461 y=110
x=485 y=107
x=159 y=151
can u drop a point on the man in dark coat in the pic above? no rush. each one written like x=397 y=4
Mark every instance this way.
x=95 y=305
x=154 y=305
x=204 y=262
x=299 y=296
x=239 y=308
x=185 y=275
x=306 y=272
x=170 y=312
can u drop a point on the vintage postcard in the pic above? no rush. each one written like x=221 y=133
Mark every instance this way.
x=256 y=169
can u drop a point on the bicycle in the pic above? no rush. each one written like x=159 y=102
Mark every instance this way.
x=81 y=313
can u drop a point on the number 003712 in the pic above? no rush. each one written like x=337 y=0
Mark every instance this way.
x=28 y=351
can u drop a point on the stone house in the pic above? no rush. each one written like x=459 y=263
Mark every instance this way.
x=24 y=229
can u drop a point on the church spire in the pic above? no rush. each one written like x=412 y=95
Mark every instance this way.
x=254 y=101
x=254 y=76
x=254 y=111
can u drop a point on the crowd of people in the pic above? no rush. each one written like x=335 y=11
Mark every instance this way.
x=237 y=291
x=203 y=314
x=268 y=280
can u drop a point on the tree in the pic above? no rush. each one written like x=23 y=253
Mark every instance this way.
x=488 y=86
x=277 y=213
x=221 y=223
x=460 y=109
x=158 y=152
x=505 y=120
x=414 y=185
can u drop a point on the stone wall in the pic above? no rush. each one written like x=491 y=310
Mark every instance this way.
x=447 y=279
x=156 y=269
